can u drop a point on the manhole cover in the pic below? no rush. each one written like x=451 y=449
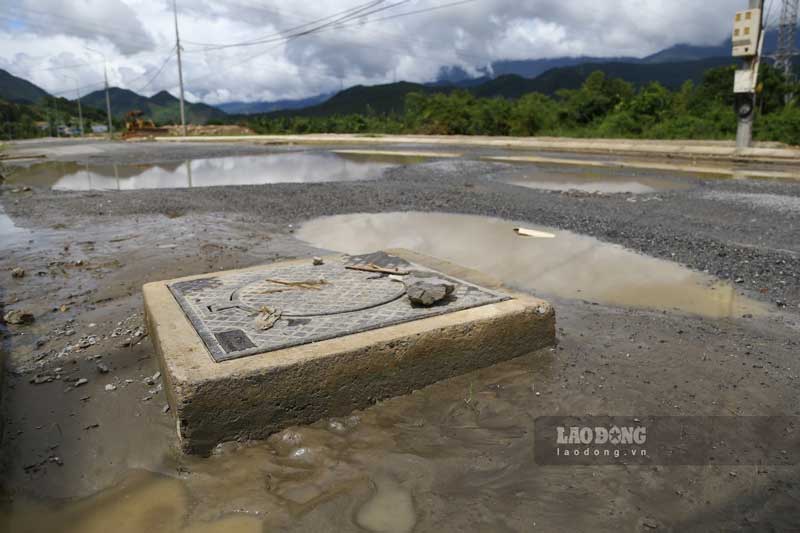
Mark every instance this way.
x=316 y=303
x=318 y=290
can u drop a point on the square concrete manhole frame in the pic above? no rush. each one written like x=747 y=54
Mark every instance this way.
x=252 y=395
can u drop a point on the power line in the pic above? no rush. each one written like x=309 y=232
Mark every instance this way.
x=286 y=36
x=287 y=39
x=295 y=28
x=769 y=11
x=99 y=84
x=787 y=38
x=443 y=58
x=336 y=25
x=158 y=73
x=246 y=60
x=399 y=15
x=425 y=10
x=340 y=20
x=398 y=37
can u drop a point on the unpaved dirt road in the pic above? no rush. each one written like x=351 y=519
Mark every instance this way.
x=457 y=456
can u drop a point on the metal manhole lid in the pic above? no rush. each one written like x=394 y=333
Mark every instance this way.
x=317 y=290
x=223 y=307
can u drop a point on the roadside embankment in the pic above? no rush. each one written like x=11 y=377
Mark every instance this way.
x=692 y=150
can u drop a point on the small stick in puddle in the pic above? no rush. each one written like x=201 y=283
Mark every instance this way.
x=524 y=232
x=371 y=267
x=121 y=239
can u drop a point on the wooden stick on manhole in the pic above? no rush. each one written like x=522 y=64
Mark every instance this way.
x=372 y=267
x=308 y=284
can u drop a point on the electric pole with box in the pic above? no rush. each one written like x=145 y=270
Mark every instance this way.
x=748 y=42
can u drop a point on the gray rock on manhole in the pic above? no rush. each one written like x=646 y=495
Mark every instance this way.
x=428 y=291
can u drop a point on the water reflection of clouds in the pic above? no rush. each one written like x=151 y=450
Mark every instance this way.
x=592 y=181
x=296 y=167
x=570 y=266
x=10 y=233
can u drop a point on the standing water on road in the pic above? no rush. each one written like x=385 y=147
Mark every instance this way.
x=292 y=167
x=592 y=181
x=9 y=232
x=569 y=265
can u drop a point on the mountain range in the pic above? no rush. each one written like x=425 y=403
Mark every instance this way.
x=162 y=107
x=390 y=98
x=511 y=79
x=532 y=68
x=19 y=91
x=252 y=108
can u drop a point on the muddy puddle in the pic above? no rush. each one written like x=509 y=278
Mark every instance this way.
x=143 y=502
x=292 y=167
x=591 y=180
x=567 y=266
x=456 y=456
x=10 y=233
x=382 y=470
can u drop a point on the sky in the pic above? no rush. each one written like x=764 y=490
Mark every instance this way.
x=48 y=41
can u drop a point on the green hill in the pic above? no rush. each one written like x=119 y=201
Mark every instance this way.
x=671 y=75
x=27 y=110
x=19 y=91
x=164 y=99
x=122 y=101
x=378 y=99
x=23 y=120
x=162 y=107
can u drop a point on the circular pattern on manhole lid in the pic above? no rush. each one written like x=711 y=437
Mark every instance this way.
x=305 y=290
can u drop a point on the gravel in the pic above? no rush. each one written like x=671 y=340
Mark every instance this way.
x=753 y=241
x=768 y=201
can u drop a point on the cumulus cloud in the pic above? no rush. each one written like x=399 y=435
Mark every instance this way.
x=39 y=38
x=112 y=21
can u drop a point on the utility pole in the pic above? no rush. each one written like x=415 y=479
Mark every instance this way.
x=108 y=101
x=55 y=117
x=49 y=122
x=108 y=97
x=80 y=109
x=787 y=41
x=180 y=65
x=78 y=95
x=748 y=41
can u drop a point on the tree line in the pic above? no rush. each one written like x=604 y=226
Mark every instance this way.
x=22 y=121
x=601 y=107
